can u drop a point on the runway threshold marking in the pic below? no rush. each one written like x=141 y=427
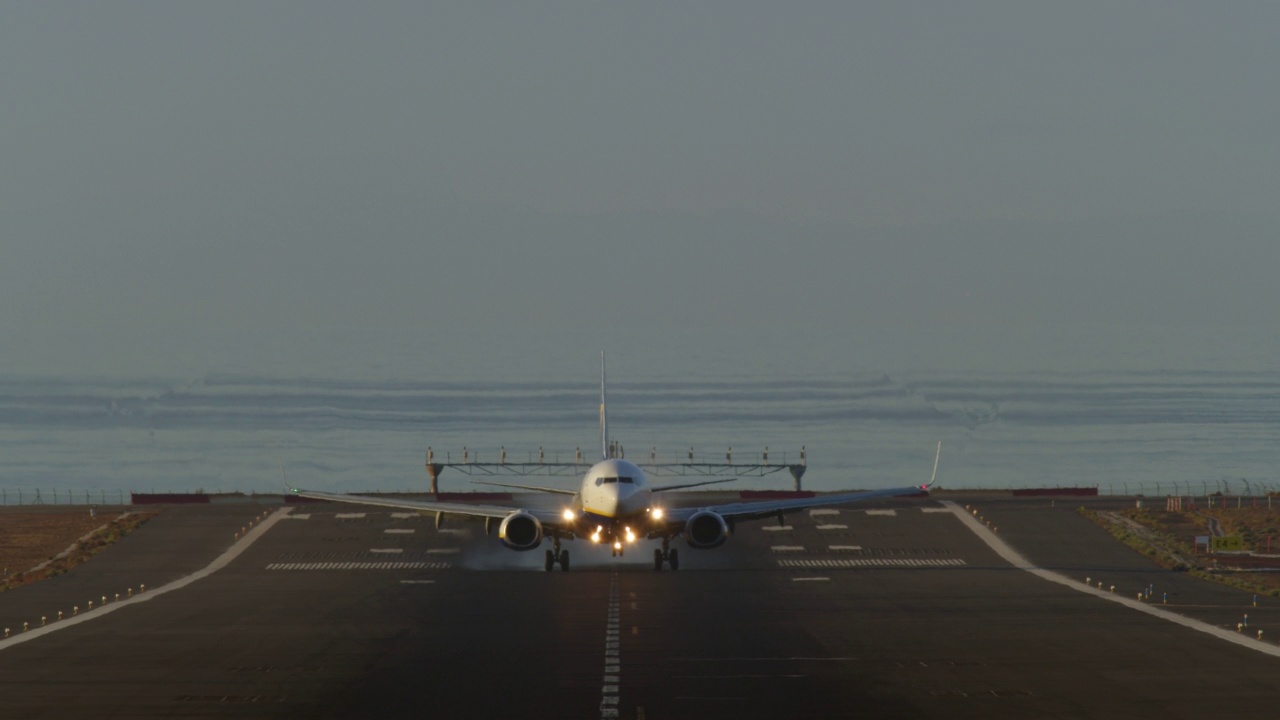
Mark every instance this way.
x=234 y=551
x=872 y=562
x=1015 y=558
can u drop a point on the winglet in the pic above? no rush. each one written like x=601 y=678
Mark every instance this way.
x=934 y=476
x=604 y=420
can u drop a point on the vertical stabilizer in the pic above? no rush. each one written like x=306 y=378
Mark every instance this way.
x=604 y=419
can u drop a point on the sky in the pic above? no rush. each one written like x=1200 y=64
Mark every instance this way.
x=199 y=186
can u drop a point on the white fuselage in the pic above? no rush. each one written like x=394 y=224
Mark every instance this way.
x=615 y=495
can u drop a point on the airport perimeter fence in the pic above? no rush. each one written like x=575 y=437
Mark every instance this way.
x=52 y=496
x=1223 y=487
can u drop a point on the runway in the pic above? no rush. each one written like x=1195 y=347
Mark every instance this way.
x=891 y=610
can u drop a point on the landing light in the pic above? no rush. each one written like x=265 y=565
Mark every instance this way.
x=617 y=545
x=568 y=515
x=657 y=513
x=595 y=537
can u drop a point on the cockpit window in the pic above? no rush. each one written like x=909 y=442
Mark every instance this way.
x=611 y=480
x=626 y=480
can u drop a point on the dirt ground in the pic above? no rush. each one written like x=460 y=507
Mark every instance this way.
x=30 y=538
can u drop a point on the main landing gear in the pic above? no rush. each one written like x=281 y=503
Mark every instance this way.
x=667 y=553
x=556 y=556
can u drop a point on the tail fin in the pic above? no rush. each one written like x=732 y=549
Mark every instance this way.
x=604 y=420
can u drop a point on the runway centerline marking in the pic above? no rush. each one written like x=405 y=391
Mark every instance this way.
x=386 y=550
x=612 y=653
x=399 y=531
x=776 y=528
x=847 y=548
x=403 y=515
x=1015 y=558
x=810 y=579
x=833 y=527
x=218 y=563
x=823 y=511
x=886 y=513
x=788 y=548
x=348 y=516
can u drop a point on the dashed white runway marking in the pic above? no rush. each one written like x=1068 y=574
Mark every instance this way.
x=451 y=531
x=888 y=513
x=846 y=548
x=386 y=550
x=417 y=582
x=405 y=565
x=776 y=528
x=788 y=548
x=612 y=655
x=833 y=527
x=934 y=510
x=810 y=579
x=302 y=516
x=403 y=516
x=873 y=562
x=348 y=516
x=442 y=551
x=399 y=531
x=823 y=511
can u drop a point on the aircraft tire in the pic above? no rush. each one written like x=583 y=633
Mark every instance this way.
x=551 y=561
x=564 y=561
x=657 y=560
x=674 y=559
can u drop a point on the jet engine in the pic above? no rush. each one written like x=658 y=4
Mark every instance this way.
x=520 y=531
x=706 y=530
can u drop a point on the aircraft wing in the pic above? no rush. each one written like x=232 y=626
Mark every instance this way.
x=534 y=488
x=693 y=484
x=546 y=517
x=766 y=508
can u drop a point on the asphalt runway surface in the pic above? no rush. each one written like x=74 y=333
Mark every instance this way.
x=889 y=610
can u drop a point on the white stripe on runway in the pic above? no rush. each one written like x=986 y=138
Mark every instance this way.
x=1013 y=557
x=776 y=528
x=846 y=548
x=833 y=527
x=788 y=548
x=823 y=511
x=386 y=550
x=361 y=566
x=218 y=563
x=888 y=513
x=872 y=562
x=399 y=531
x=349 y=516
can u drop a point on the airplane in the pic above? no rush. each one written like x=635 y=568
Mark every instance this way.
x=615 y=505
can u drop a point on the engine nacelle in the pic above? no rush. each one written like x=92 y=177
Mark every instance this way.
x=520 y=531
x=706 y=530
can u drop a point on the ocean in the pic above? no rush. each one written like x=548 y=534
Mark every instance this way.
x=1185 y=412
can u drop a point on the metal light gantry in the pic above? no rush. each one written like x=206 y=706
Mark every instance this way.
x=472 y=467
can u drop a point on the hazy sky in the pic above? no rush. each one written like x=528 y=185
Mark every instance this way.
x=177 y=175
